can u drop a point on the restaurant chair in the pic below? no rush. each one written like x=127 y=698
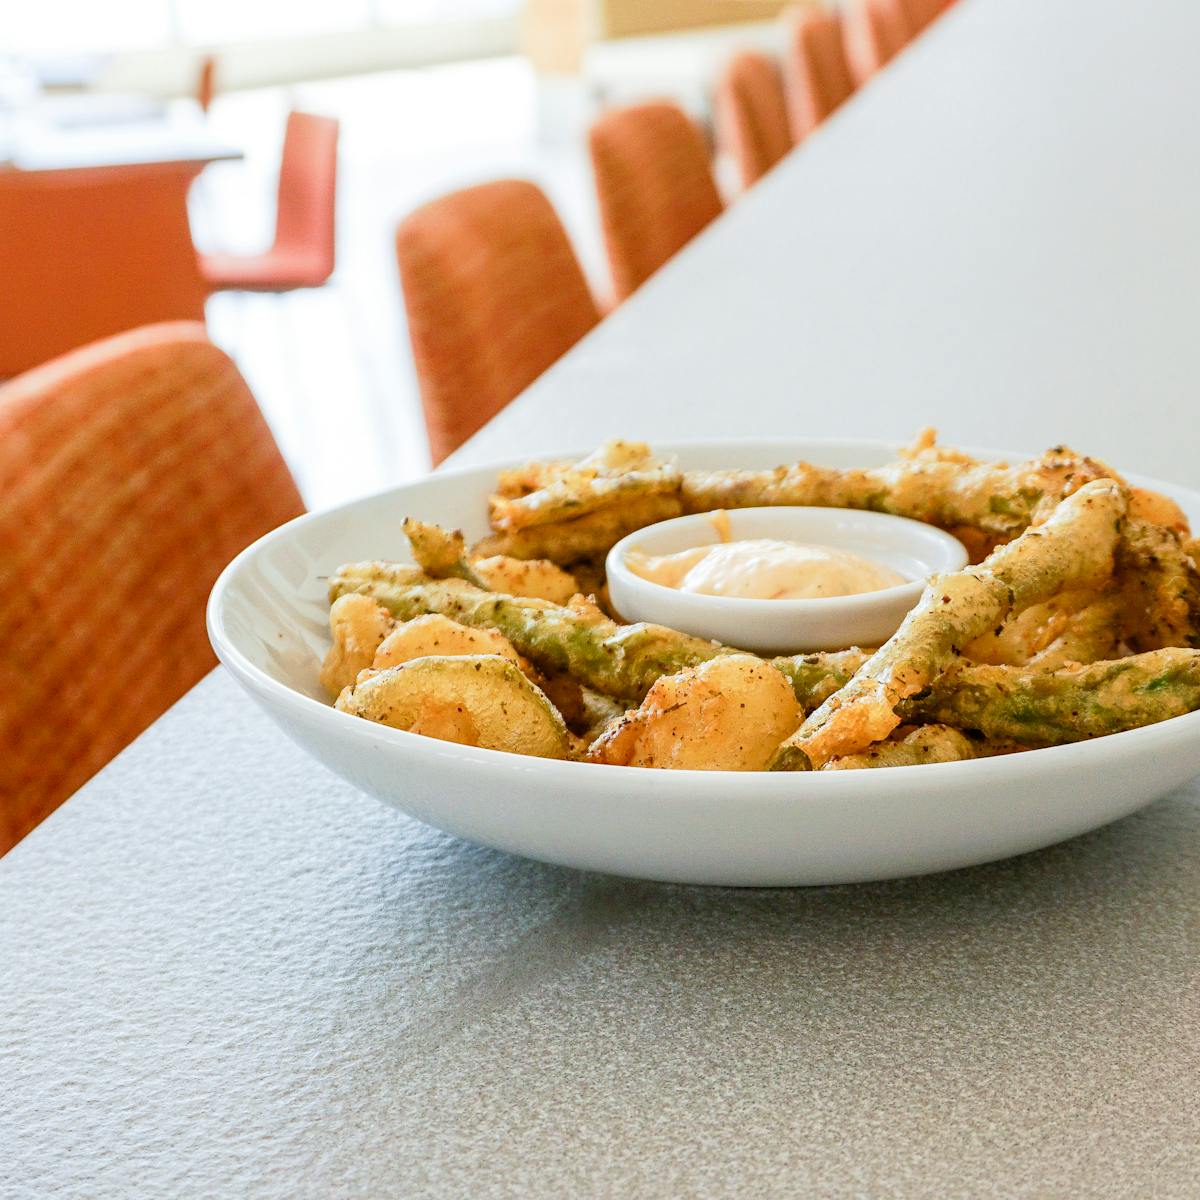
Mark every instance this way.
x=654 y=185
x=873 y=33
x=131 y=472
x=88 y=253
x=494 y=295
x=751 y=114
x=921 y=13
x=302 y=254
x=816 y=75
x=206 y=82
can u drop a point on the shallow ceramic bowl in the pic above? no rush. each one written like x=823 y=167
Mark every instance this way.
x=268 y=622
x=911 y=548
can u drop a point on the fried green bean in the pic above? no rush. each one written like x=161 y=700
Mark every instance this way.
x=441 y=553
x=925 y=744
x=1048 y=708
x=1089 y=635
x=815 y=677
x=943 y=490
x=1025 y=706
x=585 y=538
x=614 y=474
x=1161 y=587
x=619 y=660
x=1074 y=548
x=622 y=661
x=1077 y=626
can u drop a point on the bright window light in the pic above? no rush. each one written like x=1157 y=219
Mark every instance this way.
x=71 y=27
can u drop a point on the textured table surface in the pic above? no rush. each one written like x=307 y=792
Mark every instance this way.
x=228 y=974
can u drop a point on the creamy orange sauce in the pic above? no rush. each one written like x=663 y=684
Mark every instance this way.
x=765 y=569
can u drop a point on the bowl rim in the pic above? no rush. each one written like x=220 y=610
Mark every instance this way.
x=818 y=606
x=777 y=784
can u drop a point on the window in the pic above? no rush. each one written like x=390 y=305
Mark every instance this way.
x=67 y=27
x=207 y=22
x=83 y=26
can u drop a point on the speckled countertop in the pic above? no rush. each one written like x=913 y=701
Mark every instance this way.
x=232 y=975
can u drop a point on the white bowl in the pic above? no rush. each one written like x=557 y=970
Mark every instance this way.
x=911 y=548
x=268 y=622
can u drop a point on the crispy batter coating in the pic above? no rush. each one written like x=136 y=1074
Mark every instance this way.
x=1073 y=549
x=599 y=712
x=982 y=503
x=1074 y=626
x=535 y=577
x=1157 y=509
x=480 y=700
x=583 y=538
x=1033 y=707
x=925 y=744
x=578 y=639
x=927 y=484
x=615 y=473
x=1161 y=587
x=358 y=626
x=441 y=553
x=1024 y=706
x=1071 y=569
x=434 y=634
x=530 y=476
x=1091 y=634
x=728 y=714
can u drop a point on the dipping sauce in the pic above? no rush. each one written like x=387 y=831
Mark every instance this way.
x=765 y=569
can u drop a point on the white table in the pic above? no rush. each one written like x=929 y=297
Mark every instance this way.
x=227 y=974
x=79 y=133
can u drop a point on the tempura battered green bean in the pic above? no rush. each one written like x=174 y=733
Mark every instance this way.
x=1046 y=708
x=586 y=538
x=1161 y=586
x=997 y=498
x=614 y=474
x=926 y=744
x=619 y=660
x=1004 y=703
x=1078 y=626
x=1073 y=548
x=622 y=661
x=442 y=553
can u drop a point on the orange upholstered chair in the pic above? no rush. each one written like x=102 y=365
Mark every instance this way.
x=922 y=12
x=88 y=253
x=751 y=112
x=873 y=32
x=302 y=254
x=131 y=471
x=655 y=188
x=816 y=76
x=494 y=294
x=206 y=82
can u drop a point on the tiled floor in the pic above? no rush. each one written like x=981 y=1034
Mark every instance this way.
x=331 y=367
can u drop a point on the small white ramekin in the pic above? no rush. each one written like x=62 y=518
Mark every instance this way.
x=911 y=548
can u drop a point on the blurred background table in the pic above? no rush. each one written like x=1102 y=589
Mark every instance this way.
x=70 y=132
x=229 y=973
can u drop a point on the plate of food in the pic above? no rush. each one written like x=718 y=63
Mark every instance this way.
x=473 y=649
